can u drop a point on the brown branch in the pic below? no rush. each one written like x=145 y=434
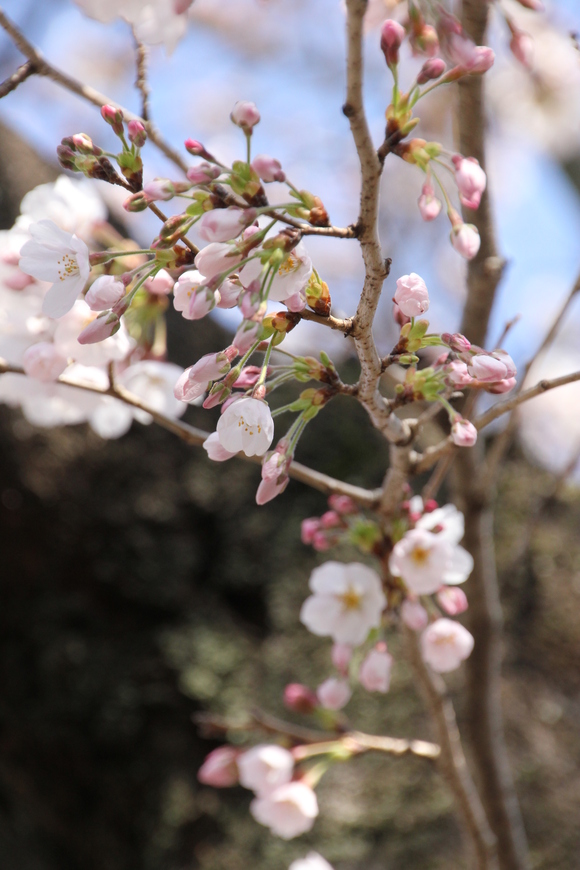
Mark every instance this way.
x=509 y=404
x=193 y=436
x=376 y=267
x=11 y=83
x=452 y=759
x=345 y=325
x=142 y=54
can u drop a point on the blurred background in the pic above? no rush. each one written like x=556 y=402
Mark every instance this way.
x=141 y=585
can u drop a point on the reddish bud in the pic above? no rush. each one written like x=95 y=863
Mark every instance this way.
x=114 y=117
x=137 y=133
x=300 y=698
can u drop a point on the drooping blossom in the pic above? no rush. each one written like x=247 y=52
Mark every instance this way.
x=59 y=258
x=220 y=768
x=334 y=694
x=429 y=205
x=222 y=224
x=411 y=295
x=115 y=346
x=265 y=767
x=425 y=561
x=491 y=368
x=104 y=326
x=229 y=293
x=195 y=380
x=43 y=361
x=192 y=297
x=457 y=374
x=465 y=239
x=104 y=292
x=347 y=603
x=463 y=432
x=160 y=284
x=274 y=477
x=288 y=811
x=246 y=425
x=470 y=179
x=203 y=173
x=414 y=615
x=313 y=861
x=375 y=671
x=445 y=644
x=447 y=521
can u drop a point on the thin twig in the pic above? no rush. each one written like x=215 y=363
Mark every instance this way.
x=142 y=54
x=22 y=73
x=344 y=325
x=191 y=435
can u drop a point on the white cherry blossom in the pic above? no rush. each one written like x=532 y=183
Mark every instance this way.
x=427 y=561
x=288 y=811
x=291 y=278
x=348 y=601
x=246 y=425
x=445 y=644
x=265 y=767
x=60 y=258
x=72 y=203
x=153 y=382
x=313 y=861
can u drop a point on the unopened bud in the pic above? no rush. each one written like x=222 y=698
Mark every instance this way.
x=245 y=115
x=392 y=35
x=137 y=133
x=114 y=117
x=196 y=149
x=136 y=202
x=84 y=145
x=300 y=698
x=102 y=327
x=431 y=69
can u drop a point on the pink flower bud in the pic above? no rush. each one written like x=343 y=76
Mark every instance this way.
x=452 y=600
x=330 y=520
x=222 y=224
x=17 y=280
x=300 y=698
x=508 y=362
x=114 y=117
x=463 y=433
x=445 y=644
x=341 y=657
x=219 y=768
x=334 y=694
x=159 y=189
x=229 y=293
x=456 y=342
x=245 y=115
x=504 y=386
x=342 y=504
x=308 y=529
x=161 y=285
x=136 y=202
x=411 y=295
x=203 y=173
x=102 y=327
x=431 y=69
x=246 y=336
x=274 y=475
x=392 y=35
x=429 y=205
x=43 y=362
x=487 y=368
x=375 y=671
x=470 y=179
x=268 y=168
x=320 y=542
x=104 y=292
x=414 y=615
x=465 y=239
x=137 y=133
x=197 y=149
x=456 y=373
x=248 y=377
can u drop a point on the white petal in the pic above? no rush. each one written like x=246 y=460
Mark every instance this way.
x=62 y=296
x=459 y=567
x=319 y=614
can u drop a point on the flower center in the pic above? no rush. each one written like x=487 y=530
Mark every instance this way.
x=248 y=428
x=420 y=556
x=67 y=266
x=351 y=599
x=289 y=265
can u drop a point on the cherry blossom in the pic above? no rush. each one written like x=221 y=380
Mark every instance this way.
x=411 y=295
x=220 y=768
x=392 y=35
x=429 y=205
x=74 y=322
x=288 y=811
x=213 y=448
x=463 y=433
x=465 y=239
x=246 y=425
x=300 y=698
x=341 y=656
x=215 y=258
x=445 y=644
x=470 y=179
x=43 y=361
x=245 y=115
x=290 y=279
x=268 y=168
x=334 y=694
x=195 y=380
x=414 y=615
x=155 y=21
x=104 y=292
x=193 y=297
x=452 y=600
x=348 y=601
x=265 y=767
x=60 y=258
x=375 y=671
x=222 y=224
x=425 y=561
